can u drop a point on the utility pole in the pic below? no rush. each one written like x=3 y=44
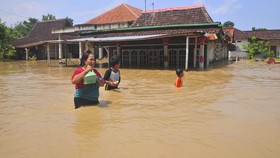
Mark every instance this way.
x=145 y=13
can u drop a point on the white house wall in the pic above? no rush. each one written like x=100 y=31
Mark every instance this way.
x=211 y=52
x=216 y=52
x=277 y=44
x=239 y=44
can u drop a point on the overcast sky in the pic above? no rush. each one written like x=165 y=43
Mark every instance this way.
x=244 y=13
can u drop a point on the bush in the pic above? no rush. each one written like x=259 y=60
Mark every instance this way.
x=257 y=48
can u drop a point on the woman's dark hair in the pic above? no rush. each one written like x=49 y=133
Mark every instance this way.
x=84 y=58
x=178 y=72
x=114 y=60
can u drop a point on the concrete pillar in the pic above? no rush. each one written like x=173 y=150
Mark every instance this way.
x=118 y=50
x=100 y=52
x=201 y=56
x=165 y=52
x=86 y=45
x=80 y=50
x=26 y=53
x=59 y=47
x=195 y=53
x=187 y=53
x=49 y=54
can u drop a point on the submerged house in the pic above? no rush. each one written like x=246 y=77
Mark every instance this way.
x=179 y=37
x=239 y=38
x=41 y=41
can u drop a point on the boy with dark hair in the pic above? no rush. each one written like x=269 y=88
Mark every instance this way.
x=112 y=76
x=179 y=82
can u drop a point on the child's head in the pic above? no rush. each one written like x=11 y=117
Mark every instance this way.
x=114 y=60
x=179 y=72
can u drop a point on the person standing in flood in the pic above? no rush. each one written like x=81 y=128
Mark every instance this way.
x=87 y=92
x=179 y=82
x=112 y=76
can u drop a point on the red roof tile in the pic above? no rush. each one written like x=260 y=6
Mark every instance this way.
x=122 y=13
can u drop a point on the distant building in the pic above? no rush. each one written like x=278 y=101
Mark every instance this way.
x=41 y=35
x=122 y=16
x=239 y=38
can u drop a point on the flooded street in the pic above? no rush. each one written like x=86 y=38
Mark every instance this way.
x=224 y=112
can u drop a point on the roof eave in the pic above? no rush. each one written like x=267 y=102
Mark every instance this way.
x=215 y=24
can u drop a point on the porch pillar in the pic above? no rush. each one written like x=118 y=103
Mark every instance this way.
x=59 y=47
x=100 y=52
x=201 y=56
x=49 y=54
x=187 y=53
x=195 y=53
x=80 y=50
x=118 y=49
x=86 y=45
x=26 y=53
x=165 y=52
x=201 y=52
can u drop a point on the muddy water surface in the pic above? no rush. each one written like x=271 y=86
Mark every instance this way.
x=223 y=112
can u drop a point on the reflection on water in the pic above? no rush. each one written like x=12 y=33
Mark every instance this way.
x=230 y=111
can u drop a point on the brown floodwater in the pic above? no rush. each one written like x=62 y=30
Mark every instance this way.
x=229 y=111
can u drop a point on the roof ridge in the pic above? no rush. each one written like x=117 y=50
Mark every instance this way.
x=176 y=8
x=43 y=21
x=127 y=7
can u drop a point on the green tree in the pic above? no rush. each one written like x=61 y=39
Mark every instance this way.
x=6 y=35
x=257 y=47
x=48 y=17
x=69 y=21
x=258 y=29
x=228 y=24
x=25 y=27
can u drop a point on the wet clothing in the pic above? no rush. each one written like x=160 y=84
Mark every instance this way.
x=112 y=76
x=86 y=94
x=179 y=82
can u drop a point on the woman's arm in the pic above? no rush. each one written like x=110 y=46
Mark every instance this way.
x=99 y=78
x=79 y=77
x=100 y=81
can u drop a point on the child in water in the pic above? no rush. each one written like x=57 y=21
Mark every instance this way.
x=179 y=82
x=112 y=76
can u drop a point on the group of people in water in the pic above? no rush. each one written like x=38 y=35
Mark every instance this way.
x=87 y=79
x=87 y=86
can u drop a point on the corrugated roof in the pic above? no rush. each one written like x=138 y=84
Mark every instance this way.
x=121 y=13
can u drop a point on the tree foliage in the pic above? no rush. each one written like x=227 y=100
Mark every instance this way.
x=257 y=47
x=69 y=21
x=228 y=24
x=6 y=35
x=258 y=29
x=25 y=27
x=9 y=34
x=48 y=17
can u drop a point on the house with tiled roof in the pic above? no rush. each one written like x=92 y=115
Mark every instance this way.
x=177 y=37
x=119 y=17
x=239 y=38
x=41 y=35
